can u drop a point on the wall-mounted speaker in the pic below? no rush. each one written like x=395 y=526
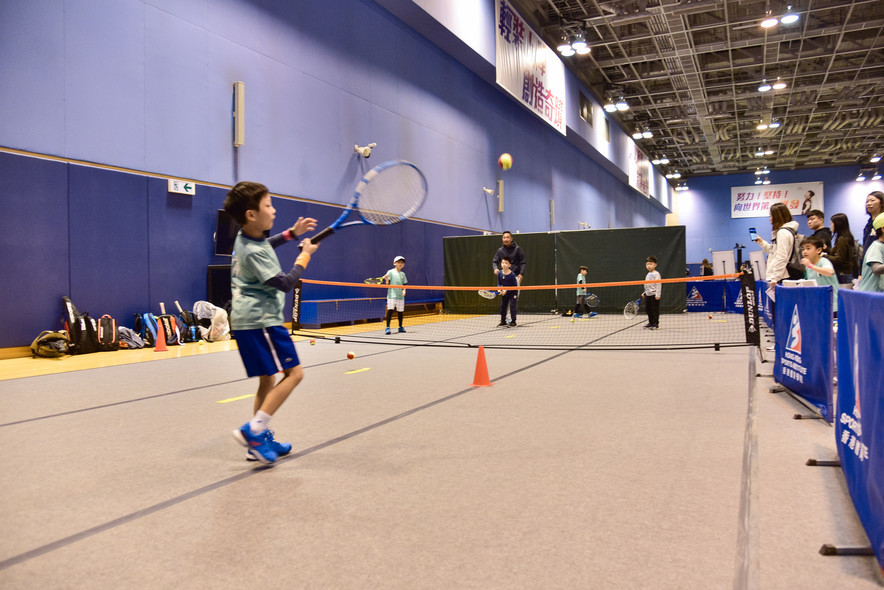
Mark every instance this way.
x=239 y=113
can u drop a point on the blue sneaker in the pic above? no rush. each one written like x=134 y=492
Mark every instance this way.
x=592 y=314
x=258 y=444
x=386 y=330
x=279 y=448
x=401 y=329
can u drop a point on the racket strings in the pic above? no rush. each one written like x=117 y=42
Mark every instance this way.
x=392 y=194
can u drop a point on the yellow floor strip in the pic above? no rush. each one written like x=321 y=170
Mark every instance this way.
x=234 y=399
x=357 y=371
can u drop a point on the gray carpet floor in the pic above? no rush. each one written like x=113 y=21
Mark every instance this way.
x=585 y=469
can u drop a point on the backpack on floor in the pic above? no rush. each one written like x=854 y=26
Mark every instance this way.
x=82 y=329
x=146 y=327
x=50 y=344
x=108 y=333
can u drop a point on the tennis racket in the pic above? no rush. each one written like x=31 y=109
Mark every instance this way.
x=373 y=280
x=592 y=300
x=487 y=294
x=387 y=194
x=631 y=309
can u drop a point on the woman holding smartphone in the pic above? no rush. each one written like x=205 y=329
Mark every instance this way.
x=780 y=248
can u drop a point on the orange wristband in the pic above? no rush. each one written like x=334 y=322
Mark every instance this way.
x=303 y=259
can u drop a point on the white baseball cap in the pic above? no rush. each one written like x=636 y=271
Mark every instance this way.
x=398 y=258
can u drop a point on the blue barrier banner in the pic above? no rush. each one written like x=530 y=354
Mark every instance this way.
x=805 y=344
x=764 y=303
x=734 y=296
x=859 y=427
x=705 y=295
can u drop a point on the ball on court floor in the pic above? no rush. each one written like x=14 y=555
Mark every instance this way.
x=312 y=342
x=505 y=161
x=351 y=356
x=710 y=316
x=572 y=319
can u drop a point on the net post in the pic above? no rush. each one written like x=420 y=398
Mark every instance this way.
x=296 y=307
x=750 y=307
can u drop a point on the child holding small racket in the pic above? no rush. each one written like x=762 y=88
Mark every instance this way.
x=652 y=293
x=507 y=278
x=258 y=286
x=395 y=295
x=581 y=308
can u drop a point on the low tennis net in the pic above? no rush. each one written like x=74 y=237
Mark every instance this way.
x=547 y=316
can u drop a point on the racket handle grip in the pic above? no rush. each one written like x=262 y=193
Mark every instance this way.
x=322 y=235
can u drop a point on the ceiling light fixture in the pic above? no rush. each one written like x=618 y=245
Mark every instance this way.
x=622 y=105
x=762 y=125
x=637 y=134
x=779 y=84
x=765 y=181
x=610 y=107
x=759 y=152
x=773 y=124
x=860 y=177
x=769 y=20
x=664 y=160
x=764 y=87
x=647 y=134
x=758 y=180
x=758 y=172
x=580 y=45
x=790 y=17
x=876 y=176
x=875 y=159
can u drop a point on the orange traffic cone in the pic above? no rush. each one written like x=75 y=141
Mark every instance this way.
x=480 y=379
x=161 y=339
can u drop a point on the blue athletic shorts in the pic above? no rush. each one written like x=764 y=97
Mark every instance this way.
x=266 y=351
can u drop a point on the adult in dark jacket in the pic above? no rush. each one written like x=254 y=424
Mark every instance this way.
x=511 y=250
x=842 y=255
x=816 y=221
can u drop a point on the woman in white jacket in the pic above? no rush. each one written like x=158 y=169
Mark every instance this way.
x=779 y=249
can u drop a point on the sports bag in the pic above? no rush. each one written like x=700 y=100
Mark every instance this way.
x=146 y=327
x=794 y=266
x=82 y=329
x=108 y=334
x=50 y=344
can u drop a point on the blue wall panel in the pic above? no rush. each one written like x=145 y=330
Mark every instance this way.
x=34 y=245
x=109 y=242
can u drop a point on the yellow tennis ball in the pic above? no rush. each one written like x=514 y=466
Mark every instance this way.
x=505 y=161
x=572 y=319
x=312 y=342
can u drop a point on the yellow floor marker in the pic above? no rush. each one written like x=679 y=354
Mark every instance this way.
x=235 y=399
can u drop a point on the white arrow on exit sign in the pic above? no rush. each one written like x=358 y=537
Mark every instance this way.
x=185 y=187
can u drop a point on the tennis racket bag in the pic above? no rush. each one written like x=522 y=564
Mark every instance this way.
x=108 y=333
x=170 y=329
x=146 y=327
x=82 y=329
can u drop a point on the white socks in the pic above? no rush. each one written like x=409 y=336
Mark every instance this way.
x=260 y=422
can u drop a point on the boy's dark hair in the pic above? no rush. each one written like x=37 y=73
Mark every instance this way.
x=584 y=268
x=816 y=213
x=507 y=258
x=652 y=259
x=813 y=240
x=243 y=197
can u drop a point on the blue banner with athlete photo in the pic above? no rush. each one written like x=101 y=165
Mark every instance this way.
x=705 y=295
x=859 y=427
x=805 y=344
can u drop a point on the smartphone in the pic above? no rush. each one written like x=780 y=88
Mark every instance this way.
x=752 y=235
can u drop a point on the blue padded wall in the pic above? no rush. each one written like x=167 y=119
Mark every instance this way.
x=34 y=241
